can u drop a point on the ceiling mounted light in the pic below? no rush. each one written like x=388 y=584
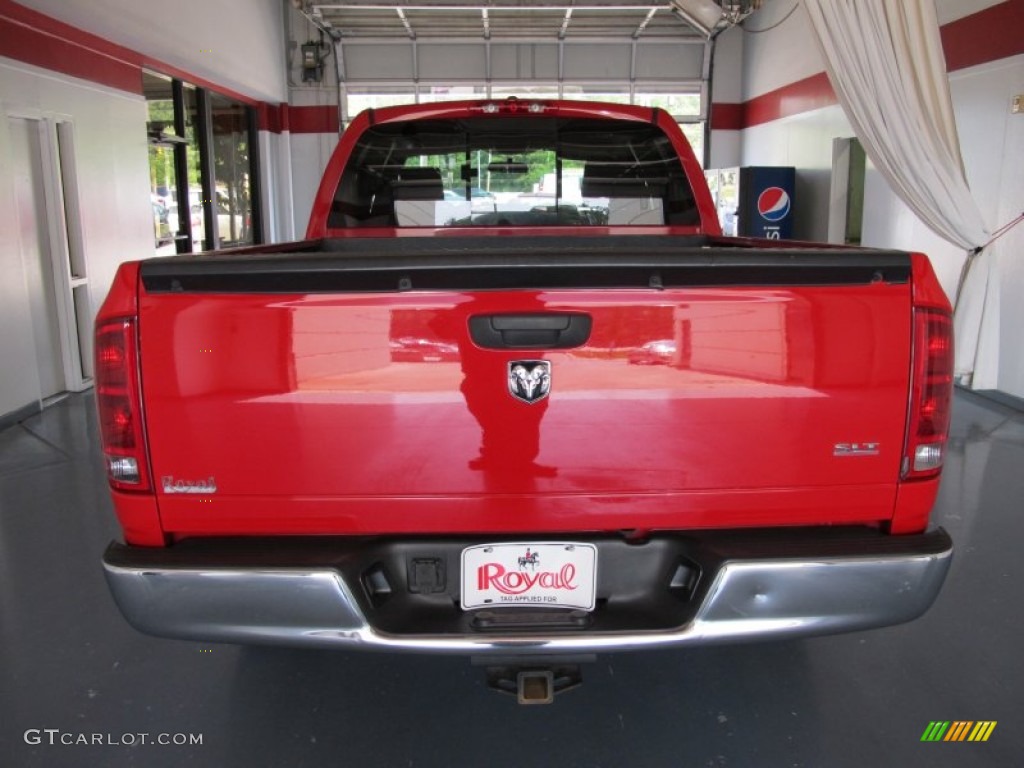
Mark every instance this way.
x=735 y=11
x=708 y=16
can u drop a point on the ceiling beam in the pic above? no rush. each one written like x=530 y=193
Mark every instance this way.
x=643 y=24
x=565 y=24
x=661 y=84
x=561 y=7
x=525 y=40
x=405 y=23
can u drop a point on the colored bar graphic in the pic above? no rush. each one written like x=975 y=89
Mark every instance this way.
x=982 y=730
x=958 y=730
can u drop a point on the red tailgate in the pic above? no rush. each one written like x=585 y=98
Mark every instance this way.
x=704 y=407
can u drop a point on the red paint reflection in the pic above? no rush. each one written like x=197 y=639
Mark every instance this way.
x=510 y=429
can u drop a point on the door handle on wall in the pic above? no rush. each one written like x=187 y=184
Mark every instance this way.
x=535 y=330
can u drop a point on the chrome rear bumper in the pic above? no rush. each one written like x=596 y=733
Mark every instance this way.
x=748 y=595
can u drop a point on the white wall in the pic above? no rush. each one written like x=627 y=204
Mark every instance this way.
x=1010 y=248
x=951 y=10
x=238 y=44
x=117 y=219
x=309 y=154
x=992 y=144
x=805 y=142
x=277 y=182
x=19 y=383
x=788 y=53
x=726 y=149
x=781 y=55
x=727 y=88
x=728 y=67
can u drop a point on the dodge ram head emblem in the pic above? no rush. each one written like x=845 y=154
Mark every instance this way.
x=529 y=380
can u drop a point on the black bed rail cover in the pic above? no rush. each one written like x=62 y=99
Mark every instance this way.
x=376 y=265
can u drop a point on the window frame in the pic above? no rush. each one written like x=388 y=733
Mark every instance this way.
x=203 y=131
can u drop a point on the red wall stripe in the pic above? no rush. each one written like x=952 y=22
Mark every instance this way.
x=813 y=92
x=726 y=116
x=989 y=35
x=37 y=39
x=322 y=119
x=272 y=117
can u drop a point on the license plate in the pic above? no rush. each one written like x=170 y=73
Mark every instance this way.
x=534 y=574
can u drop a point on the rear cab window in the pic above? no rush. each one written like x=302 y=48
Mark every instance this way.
x=513 y=171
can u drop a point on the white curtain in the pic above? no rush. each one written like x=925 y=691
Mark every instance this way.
x=885 y=62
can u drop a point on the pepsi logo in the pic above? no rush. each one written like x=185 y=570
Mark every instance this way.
x=773 y=204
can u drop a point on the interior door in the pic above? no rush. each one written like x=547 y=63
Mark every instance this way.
x=30 y=197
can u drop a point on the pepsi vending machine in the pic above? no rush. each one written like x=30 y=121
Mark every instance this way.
x=765 y=197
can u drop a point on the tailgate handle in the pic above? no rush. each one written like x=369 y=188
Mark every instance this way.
x=536 y=330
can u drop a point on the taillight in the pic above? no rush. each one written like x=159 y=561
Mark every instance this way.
x=120 y=406
x=931 y=394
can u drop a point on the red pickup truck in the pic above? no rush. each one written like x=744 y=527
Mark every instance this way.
x=515 y=396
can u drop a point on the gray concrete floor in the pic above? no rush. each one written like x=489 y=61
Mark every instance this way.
x=69 y=662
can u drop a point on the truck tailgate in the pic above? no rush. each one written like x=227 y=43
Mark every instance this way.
x=703 y=396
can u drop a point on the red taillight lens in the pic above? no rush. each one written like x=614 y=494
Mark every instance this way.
x=117 y=422
x=120 y=406
x=931 y=394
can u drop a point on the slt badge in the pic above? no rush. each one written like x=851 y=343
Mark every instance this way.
x=529 y=380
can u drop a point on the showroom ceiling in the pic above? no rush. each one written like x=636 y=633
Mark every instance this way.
x=504 y=21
